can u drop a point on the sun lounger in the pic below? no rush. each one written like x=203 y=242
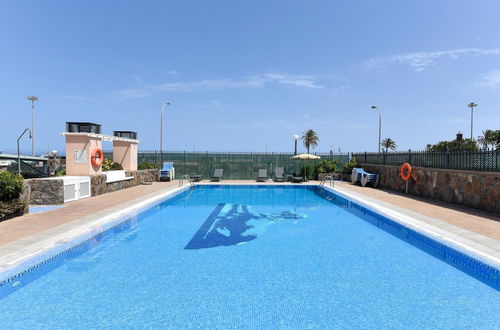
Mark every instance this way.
x=278 y=174
x=167 y=172
x=196 y=178
x=297 y=179
x=363 y=177
x=217 y=174
x=262 y=175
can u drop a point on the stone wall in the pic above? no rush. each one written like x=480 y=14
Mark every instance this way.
x=475 y=189
x=51 y=191
x=99 y=185
x=44 y=191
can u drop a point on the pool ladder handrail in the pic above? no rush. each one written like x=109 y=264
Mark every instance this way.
x=185 y=177
x=327 y=178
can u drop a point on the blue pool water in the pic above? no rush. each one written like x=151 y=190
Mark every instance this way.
x=249 y=257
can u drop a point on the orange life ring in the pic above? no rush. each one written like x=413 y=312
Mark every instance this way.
x=97 y=157
x=405 y=168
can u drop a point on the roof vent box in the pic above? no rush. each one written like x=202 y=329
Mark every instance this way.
x=80 y=127
x=126 y=134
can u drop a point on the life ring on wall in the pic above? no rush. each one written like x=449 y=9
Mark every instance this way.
x=405 y=171
x=97 y=157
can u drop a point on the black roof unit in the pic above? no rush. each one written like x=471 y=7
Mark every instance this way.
x=80 y=127
x=126 y=134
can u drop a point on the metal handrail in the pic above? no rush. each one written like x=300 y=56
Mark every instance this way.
x=327 y=178
x=185 y=177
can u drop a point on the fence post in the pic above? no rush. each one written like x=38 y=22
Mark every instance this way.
x=409 y=156
x=447 y=158
x=497 y=151
x=366 y=158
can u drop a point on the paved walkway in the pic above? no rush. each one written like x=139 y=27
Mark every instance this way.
x=479 y=222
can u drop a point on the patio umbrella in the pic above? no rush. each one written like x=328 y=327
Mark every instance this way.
x=305 y=157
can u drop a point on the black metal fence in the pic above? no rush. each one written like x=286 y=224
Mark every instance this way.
x=460 y=160
x=236 y=165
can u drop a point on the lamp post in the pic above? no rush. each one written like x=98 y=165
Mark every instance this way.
x=379 y=126
x=18 y=152
x=471 y=105
x=296 y=138
x=33 y=99
x=161 y=131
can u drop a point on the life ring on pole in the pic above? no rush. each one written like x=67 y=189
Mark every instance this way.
x=97 y=157
x=405 y=171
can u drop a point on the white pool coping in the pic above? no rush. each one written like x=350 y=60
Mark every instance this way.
x=23 y=254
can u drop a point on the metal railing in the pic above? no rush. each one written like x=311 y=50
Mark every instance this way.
x=327 y=178
x=488 y=160
x=185 y=177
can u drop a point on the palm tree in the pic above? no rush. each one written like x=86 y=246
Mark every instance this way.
x=310 y=139
x=387 y=144
x=488 y=138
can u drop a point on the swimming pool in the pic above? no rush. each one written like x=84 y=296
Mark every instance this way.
x=255 y=257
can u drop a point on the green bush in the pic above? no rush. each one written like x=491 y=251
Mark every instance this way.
x=11 y=186
x=309 y=171
x=350 y=165
x=326 y=166
x=147 y=166
x=61 y=172
x=109 y=165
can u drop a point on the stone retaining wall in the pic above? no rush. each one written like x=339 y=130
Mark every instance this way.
x=99 y=186
x=44 y=191
x=51 y=191
x=475 y=189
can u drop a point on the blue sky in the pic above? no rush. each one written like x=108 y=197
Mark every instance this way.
x=247 y=75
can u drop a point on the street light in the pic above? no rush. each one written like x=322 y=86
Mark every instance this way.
x=18 y=152
x=379 y=126
x=296 y=138
x=161 y=131
x=471 y=105
x=33 y=99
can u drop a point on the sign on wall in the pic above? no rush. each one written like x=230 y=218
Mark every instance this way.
x=80 y=157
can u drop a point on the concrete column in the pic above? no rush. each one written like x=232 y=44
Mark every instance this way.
x=125 y=153
x=79 y=149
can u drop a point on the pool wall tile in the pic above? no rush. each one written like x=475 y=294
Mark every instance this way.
x=479 y=269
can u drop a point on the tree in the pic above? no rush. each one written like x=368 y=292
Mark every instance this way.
x=454 y=145
x=387 y=144
x=496 y=139
x=482 y=140
x=310 y=139
x=489 y=138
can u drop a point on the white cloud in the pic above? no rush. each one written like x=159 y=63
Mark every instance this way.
x=256 y=81
x=491 y=78
x=420 y=61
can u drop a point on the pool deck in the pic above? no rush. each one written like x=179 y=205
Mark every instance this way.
x=29 y=234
